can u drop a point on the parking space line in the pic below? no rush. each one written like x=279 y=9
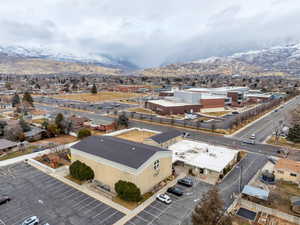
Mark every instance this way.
x=68 y=196
x=142 y=219
x=110 y=216
x=98 y=214
x=87 y=204
x=80 y=202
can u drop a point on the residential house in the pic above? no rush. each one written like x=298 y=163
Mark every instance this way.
x=287 y=170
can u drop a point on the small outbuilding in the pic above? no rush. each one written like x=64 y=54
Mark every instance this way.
x=6 y=145
x=256 y=192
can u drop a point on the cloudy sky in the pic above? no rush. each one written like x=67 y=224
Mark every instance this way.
x=153 y=32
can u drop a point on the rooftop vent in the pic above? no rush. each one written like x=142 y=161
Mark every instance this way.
x=133 y=148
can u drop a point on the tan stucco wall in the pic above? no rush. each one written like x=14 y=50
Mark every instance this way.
x=286 y=176
x=145 y=180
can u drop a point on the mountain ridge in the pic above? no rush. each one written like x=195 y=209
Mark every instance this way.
x=277 y=60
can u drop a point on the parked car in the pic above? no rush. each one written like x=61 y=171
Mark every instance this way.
x=186 y=182
x=164 y=198
x=175 y=191
x=250 y=142
x=235 y=112
x=4 y=199
x=33 y=220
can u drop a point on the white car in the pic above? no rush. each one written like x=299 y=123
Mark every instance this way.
x=33 y=220
x=253 y=136
x=164 y=198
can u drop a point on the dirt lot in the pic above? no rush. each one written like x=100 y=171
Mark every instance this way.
x=63 y=139
x=100 y=97
x=283 y=142
x=141 y=110
x=136 y=135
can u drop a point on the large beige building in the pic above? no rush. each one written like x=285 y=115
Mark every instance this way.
x=287 y=170
x=114 y=159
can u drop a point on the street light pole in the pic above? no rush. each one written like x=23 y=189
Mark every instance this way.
x=241 y=174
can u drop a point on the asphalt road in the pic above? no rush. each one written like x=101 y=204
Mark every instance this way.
x=265 y=126
x=210 y=138
x=179 y=211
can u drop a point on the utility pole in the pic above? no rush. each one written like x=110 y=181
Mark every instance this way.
x=241 y=174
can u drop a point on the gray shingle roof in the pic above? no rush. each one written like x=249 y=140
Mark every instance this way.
x=118 y=150
x=165 y=136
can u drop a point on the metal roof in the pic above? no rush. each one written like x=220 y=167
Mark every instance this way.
x=256 y=192
x=128 y=153
x=165 y=136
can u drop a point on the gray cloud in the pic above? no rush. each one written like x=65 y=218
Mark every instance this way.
x=150 y=33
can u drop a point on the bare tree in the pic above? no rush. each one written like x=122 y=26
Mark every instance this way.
x=210 y=210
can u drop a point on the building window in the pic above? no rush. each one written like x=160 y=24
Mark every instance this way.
x=293 y=174
x=156 y=165
x=280 y=171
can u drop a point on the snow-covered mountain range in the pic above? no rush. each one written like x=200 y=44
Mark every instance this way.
x=278 y=60
x=65 y=56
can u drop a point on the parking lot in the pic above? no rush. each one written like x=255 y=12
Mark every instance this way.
x=34 y=193
x=158 y=213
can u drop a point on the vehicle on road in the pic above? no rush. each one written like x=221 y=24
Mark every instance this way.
x=283 y=152
x=185 y=134
x=235 y=112
x=276 y=110
x=4 y=199
x=253 y=136
x=175 y=191
x=188 y=182
x=250 y=142
x=164 y=198
x=33 y=220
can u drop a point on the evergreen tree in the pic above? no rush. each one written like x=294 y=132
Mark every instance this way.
x=27 y=98
x=83 y=133
x=123 y=121
x=15 y=100
x=94 y=89
x=25 y=126
x=294 y=133
x=210 y=210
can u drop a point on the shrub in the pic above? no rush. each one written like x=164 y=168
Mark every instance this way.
x=128 y=191
x=81 y=171
x=84 y=132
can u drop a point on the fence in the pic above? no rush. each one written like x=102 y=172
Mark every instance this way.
x=223 y=124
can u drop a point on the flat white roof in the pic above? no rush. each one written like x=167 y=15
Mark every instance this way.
x=228 y=88
x=167 y=103
x=211 y=96
x=258 y=95
x=202 y=155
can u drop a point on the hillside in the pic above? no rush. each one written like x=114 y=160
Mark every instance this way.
x=30 y=66
x=279 y=60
